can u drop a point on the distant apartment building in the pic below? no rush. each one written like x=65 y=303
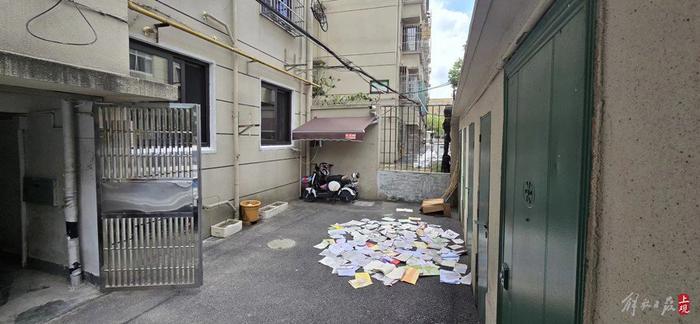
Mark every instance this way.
x=390 y=40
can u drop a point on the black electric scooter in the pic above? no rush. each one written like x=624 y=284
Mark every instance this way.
x=321 y=184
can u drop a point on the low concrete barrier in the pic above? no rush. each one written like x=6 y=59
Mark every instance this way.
x=411 y=186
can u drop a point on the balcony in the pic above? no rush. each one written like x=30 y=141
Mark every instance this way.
x=293 y=10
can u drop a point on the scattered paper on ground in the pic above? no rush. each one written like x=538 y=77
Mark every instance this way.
x=392 y=250
x=410 y=275
x=361 y=280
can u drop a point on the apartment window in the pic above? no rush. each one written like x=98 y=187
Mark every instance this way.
x=410 y=81
x=191 y=75
x=411 y=38
x=379 y=87
x=275 y=115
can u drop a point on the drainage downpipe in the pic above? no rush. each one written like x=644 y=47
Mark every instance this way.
x=70 y=193
x=233 y=33
x=309 y=76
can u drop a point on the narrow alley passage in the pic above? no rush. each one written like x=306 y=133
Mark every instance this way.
x=248 y=282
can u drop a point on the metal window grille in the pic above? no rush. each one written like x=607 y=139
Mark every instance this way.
x=290 y=9
x=410 y=82
x=411 y=38
x=412 y=138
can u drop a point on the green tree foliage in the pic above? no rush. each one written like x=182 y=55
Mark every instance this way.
x=453 y=74
x=434 y=123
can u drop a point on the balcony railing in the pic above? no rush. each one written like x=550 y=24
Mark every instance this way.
x=293 y=10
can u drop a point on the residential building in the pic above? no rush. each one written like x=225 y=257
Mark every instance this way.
x=392 y=43
x=578 y=129
x=101 y=71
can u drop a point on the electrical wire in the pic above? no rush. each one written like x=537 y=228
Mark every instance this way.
x=428 y=89
x=344 y=61
x=94 y=33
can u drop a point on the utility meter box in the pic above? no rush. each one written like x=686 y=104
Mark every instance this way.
x=40 y=191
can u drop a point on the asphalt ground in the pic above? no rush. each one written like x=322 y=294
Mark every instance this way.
x=245 y=281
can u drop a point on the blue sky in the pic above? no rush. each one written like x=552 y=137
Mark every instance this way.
x=450 y=28
x=460 y=5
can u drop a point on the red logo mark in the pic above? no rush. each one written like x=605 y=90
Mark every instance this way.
x=683 y=304
x=350 y=136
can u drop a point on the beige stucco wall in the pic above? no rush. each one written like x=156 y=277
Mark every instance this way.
x=491 y=101
x=267 y=174
x=643 y=229
x=412 y=10
x=348 y=157
x=365 y=32
x=64 y=23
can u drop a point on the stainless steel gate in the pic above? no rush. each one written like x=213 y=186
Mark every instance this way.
x=147 y=159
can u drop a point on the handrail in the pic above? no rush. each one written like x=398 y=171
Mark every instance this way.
x=177 y=25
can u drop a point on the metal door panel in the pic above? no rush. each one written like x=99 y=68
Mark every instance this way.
x=544 y=156
x=148 y=195
x=470 y=186
x=483 y=212
x=530 y=186
x=565 y=177
x=462 y=182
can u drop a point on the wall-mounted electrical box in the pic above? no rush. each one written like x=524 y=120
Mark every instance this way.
x=40 y=191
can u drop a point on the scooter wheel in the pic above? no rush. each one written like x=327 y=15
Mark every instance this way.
x=309 y=197
x=346 y=196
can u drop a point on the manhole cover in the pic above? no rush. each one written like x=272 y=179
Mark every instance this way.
x=281 y=244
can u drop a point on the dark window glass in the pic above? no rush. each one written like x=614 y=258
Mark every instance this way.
x=275 y=115
x=191 y=75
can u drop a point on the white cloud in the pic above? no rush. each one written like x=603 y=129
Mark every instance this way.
x=449 y=34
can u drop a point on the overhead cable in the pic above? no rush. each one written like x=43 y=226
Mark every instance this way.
x=344 y=61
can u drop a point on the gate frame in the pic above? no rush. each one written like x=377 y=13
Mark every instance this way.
x=197 y=186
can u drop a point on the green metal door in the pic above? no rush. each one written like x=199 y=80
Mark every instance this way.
x=545 y=175
x=462 y=180
x=470 y=186
x=483 y=213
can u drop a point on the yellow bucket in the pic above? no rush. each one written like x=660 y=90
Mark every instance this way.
x=250 y=210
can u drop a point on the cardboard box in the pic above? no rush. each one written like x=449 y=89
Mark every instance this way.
x=434 y=205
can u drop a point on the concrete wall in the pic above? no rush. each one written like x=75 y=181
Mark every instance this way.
x=46 y=229
x=349 y=157
x=643 y=226
x=411 y=186
x=43 y=157
x=372 y=44
x=268 y=174
x=64 y=23
x=491 y=102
